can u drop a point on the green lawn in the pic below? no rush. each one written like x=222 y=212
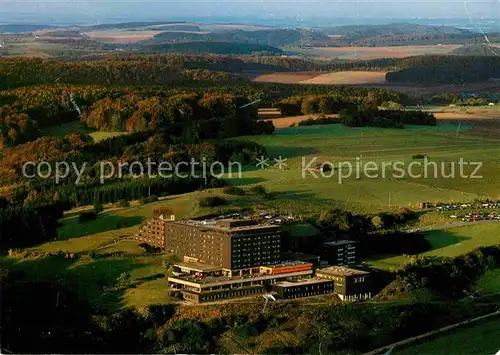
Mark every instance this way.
x=480 y=339
x=448 y=242
x=489 y=282
x=335 y=143
x=95 y=278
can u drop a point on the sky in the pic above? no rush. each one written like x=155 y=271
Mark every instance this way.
x=76 y=11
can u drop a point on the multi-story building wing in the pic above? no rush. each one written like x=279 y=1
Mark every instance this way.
x=341 y=252
x=349 y=284
x=303 y=288
x=239 y=246
x=153 y=232
x=203 y=283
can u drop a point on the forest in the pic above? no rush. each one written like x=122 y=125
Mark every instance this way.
x=211 y=47
x=445 y=70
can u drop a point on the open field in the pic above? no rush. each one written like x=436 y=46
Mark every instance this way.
x=478 y=339
x=336 y=143
x=489 y=282
x=279 y=121
x=371 y=79
x=375 y=52
x=121 y=37
x=348 y=78
x=285 y=78
x=334 y=78
x=450 y=243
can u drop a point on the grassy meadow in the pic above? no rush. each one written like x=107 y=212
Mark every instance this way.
x=450 y=243
x=479 y=339
x=336 y=143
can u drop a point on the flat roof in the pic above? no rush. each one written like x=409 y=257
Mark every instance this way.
x=287 y=264
x=340 y=242
x=297 y=255
x=340 y=270
x=227 y=224
x=311 y=281
x=231 y=279
x=198 y=266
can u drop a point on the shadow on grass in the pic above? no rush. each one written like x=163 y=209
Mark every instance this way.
x=96 y=280
x=438 y=239
x=105 y=222
x=150 y=278
x=244 y=181
x=290 y=152
x=442 y=238
x=93 y=280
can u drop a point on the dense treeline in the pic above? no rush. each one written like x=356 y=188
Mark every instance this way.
x=355 y=111
x=89 y=157
x=16 y=72
x=22 y=226
x=36 y=220
x=445 y=70
x=163 y=69
x=336 y=101
x=449 y=277
x=385 y=118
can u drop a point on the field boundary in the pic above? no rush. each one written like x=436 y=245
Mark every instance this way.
x=408 y=341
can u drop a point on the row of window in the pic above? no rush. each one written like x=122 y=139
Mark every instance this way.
x=314 y=287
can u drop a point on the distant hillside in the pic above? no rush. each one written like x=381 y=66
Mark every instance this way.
x=445 y=70
x=398 y=34
x=192 y=28
x=477 y=50
x=211 y=47
x=276 y=38
x=22 y=28
x=126 y=25
x=393 y=29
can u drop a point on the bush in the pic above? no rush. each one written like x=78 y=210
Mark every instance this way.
x=87 y=216
x=311 y=104
x=149 y=199
x=319 y=121
x=162 y=211
x=290 y=106
x=391 y=105
x=122 y=204
x=259 y=190
x=234 y=190
x=419 y=156
x=98 y=207
x=212 y=201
